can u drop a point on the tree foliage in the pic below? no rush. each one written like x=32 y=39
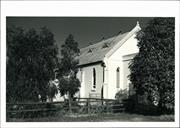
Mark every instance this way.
x=152 y=69
x=52 y=89
x=68 y=83
x=31 y=59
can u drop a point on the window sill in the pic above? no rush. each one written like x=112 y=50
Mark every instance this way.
x=93 y=90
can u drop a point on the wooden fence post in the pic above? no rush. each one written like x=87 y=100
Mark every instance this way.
x=88 y=105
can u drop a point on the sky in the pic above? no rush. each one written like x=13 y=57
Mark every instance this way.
x=86 y=30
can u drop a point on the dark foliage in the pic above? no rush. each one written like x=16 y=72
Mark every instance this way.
x=152 y=70
x=31 y=59
x=121 y=95
x=68 y=83
x=50 y=111
x=141 y=107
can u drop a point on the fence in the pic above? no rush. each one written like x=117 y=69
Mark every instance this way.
x=80 y=106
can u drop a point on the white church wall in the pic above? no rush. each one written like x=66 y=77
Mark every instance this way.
x=106 y=81
x=86 y=78
x=112 y=79
x=58 y=97
x=126 y=72
x=129 y=48
x=116 y=60
x=80 y=76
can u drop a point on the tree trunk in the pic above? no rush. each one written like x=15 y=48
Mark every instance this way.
x=70 y=103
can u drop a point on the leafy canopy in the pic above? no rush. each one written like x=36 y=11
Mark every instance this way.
x=31 y=59
x=69 y=84
x=152 y=70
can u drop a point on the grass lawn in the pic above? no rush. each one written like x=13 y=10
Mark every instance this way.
x=119 y=117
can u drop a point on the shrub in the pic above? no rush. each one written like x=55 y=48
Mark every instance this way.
x=140 y=105
x=129 y=103
x=121 y=95
x=153 y=68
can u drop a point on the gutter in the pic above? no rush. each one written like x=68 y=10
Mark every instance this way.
x=91 y=63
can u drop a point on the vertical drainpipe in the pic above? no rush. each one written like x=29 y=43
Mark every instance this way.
x=102 y=90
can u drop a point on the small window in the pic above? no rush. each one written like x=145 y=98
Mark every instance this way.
x=117 y=77
x=90 y=50
x=105 y=45
x=94 y=79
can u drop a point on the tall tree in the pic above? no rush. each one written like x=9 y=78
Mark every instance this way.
x=68 y=83
x=31 y=59
x=152 y=70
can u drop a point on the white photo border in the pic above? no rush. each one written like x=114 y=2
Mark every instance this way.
x=88 y=9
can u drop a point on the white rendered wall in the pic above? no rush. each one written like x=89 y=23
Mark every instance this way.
x=117 y=60
x=126 y=72
x=112 y=78
x=85 y=76
x=129 y=47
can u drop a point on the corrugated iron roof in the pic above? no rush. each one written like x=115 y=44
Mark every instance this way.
x=96 y=52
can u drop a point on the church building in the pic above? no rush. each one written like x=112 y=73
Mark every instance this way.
x=103 y=66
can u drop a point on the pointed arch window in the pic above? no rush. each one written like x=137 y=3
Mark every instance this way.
x=94 y=79
x=117 y=77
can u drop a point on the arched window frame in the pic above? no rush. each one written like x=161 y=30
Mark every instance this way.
x=118 y=77
x=94 y=79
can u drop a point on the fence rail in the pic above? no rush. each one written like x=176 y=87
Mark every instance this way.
x=81 y=105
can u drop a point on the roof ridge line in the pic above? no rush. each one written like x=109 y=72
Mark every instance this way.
x=99 y=42
x=105 y=40
x=126 y=37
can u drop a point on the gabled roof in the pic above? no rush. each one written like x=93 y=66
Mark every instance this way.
x=97 y=52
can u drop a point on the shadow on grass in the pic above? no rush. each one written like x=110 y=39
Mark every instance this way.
x=118 y=117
